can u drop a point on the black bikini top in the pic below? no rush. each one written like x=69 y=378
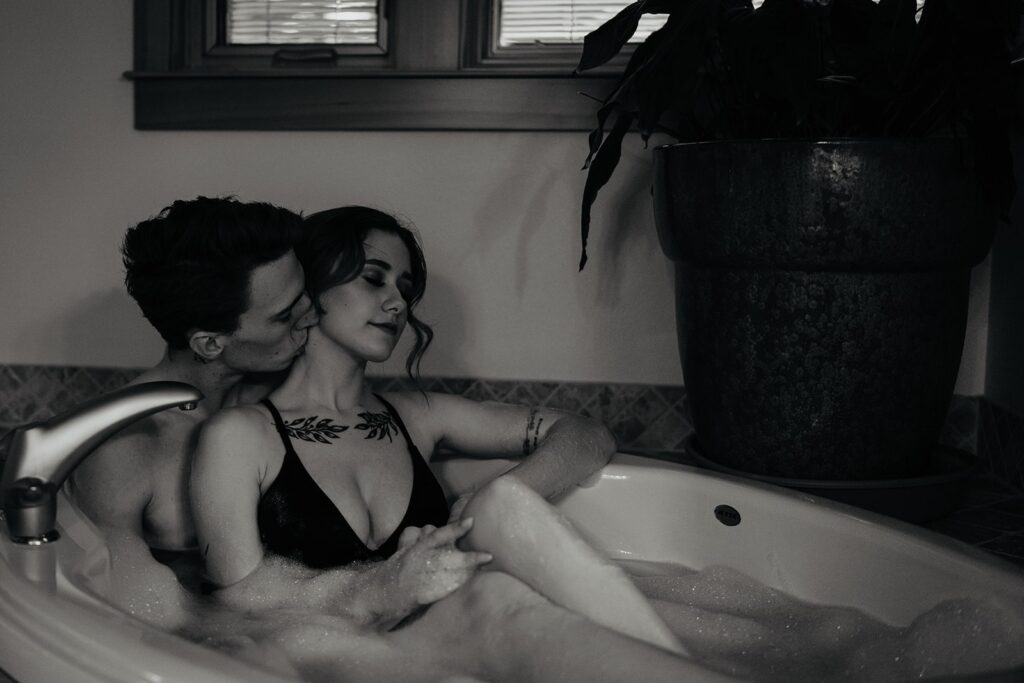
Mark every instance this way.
x=298 y=520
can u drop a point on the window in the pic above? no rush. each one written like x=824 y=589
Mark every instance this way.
x=366 y=64
x=537 y=22
x=278 y=22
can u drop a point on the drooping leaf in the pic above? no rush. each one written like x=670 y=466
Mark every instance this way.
x=607 y=40
x=688 y=36
x=605 y=161
x=597 y=135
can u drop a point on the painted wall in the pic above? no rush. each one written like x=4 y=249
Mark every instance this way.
x=498 y=213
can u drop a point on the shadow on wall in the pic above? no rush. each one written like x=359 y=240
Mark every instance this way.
x=530 y=203
x=622 y=223
x=525 y=193
x=452 y=333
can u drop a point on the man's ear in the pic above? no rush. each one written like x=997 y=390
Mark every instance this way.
x=206 y=346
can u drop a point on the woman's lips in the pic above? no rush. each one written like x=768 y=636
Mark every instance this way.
x=390 y=328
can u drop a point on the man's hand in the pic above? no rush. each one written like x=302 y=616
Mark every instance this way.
x=430 y=566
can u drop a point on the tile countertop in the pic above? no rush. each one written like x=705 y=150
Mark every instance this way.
x=989 y=515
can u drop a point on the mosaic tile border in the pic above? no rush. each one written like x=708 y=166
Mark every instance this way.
x=642 y=417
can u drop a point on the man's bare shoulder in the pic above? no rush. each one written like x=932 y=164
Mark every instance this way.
x=114 y=483
x=136 y=442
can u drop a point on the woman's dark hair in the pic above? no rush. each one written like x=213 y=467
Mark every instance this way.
x=331 y=252
x=188 y=268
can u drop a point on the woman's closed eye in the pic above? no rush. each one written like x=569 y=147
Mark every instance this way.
x=405 y=288
x=374 y=276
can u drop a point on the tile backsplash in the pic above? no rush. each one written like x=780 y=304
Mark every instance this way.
x=642 y=417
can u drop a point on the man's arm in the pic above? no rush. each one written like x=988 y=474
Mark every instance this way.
x=229 y=472
x=112 y=487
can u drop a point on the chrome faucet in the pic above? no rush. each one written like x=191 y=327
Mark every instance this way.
x=43 y=455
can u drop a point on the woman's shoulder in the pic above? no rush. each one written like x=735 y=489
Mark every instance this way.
x=418 y=404
x=417 y=410
x=431 y=411
x=250 y=423
x=247 y=414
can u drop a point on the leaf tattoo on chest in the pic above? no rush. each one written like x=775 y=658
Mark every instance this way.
x=377 y=425
x=313 y=429
x=316 y=430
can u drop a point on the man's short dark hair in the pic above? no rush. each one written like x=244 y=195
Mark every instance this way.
x=188 y=268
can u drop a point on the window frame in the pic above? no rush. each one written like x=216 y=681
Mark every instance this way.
x=441 y=73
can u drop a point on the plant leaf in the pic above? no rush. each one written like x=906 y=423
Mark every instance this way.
x=605 y=161
x=607 y=40
x=597 y=135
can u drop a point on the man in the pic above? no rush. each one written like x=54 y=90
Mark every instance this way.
x=219 y=281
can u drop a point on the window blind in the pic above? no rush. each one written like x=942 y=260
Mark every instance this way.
x=275 y=22
x=561 y=22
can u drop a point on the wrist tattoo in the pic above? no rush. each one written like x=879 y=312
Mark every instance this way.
x=533 y=423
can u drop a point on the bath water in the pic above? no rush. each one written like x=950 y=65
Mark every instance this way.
x=734 y=624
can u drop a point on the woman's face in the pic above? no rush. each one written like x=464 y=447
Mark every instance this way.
x=366 y=315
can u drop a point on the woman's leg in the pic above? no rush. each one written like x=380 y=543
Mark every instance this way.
x=531 y=541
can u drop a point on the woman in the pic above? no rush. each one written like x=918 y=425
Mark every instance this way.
x=331 y=479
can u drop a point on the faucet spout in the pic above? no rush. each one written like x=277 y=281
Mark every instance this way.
x=43 y=455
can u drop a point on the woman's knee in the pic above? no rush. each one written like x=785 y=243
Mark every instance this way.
x=501 y=506
x=496 y=495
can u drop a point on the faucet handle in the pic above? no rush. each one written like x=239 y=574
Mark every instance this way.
x=30 y=508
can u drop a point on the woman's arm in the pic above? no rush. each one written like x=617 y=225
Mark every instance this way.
x=557 y=449
x=230 y=470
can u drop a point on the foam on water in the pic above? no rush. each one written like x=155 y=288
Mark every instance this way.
x=737 y=625
x=726 y=620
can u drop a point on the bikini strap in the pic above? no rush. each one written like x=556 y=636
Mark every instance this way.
x=398 y=421
x=278 y=423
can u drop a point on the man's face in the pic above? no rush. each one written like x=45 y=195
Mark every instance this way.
x=273 y=330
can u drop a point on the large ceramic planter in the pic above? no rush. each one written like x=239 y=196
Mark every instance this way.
x=822 y=292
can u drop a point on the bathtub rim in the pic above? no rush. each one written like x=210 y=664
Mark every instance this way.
x=622 y=462
x=228 y=669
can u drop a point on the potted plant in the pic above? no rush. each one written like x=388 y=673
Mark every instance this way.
x=840 y=168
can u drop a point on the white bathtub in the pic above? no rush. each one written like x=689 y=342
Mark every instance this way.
x=58 y=629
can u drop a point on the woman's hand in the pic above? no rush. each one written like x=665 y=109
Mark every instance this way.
x=429 y=565
x=457 y=507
